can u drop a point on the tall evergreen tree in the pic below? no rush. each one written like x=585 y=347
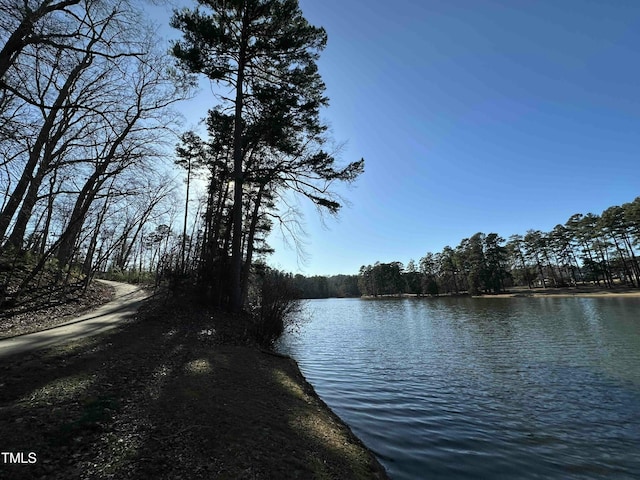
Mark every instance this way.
x=265 y=52
x=251 y=46
x=495 y=258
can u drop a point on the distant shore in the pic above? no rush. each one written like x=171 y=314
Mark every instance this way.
x=536 y=292
x=565 y=292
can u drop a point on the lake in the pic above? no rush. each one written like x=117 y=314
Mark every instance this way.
x=463 y=388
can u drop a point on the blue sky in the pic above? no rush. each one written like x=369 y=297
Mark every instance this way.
x=471 y=115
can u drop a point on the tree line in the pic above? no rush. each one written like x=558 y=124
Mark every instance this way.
x=586 y=249
x=318 y=286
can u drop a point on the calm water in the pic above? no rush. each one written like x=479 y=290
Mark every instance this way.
x=482 y=388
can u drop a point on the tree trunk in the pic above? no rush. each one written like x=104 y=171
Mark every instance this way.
x=186 y=214
x=250 y=238
x=76 y=220
x=47 y=222
x=625 y=266
x=18 y=39
x=88 y=261
x=235 y=298
x=16 y=238
x=43 y=136
x=634 y=261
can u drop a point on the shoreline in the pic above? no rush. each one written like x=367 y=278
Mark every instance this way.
x=566 y=292
x=174 y=393
x=524 y=292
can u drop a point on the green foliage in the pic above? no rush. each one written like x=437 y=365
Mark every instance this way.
x=586 y=249
x=413 y=279
x=132 y=275
x=382 y=279
x=335 y=286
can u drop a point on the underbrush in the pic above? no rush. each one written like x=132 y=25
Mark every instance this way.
x=30 y=302
x=132 y=275
x=28 y=281
x=276 y=308
x=272 y=305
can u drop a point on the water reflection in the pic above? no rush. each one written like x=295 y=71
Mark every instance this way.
x=490 y=388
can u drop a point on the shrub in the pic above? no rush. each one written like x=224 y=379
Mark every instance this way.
x=277 y=306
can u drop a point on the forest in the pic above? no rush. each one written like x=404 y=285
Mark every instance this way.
x=587 y=249
x=93 y=154
x=93 y=162
x=87 y=103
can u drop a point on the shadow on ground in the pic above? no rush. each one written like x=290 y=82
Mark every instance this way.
x=168 y=395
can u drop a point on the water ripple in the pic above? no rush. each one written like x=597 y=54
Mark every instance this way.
x=461 y=389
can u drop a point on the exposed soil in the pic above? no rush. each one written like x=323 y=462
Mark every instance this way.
x=176 y=393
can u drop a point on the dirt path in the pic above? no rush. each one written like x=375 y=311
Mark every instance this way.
x=170 y=394
x=128 y=299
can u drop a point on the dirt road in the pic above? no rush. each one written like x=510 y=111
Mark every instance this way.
x=127 y=300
